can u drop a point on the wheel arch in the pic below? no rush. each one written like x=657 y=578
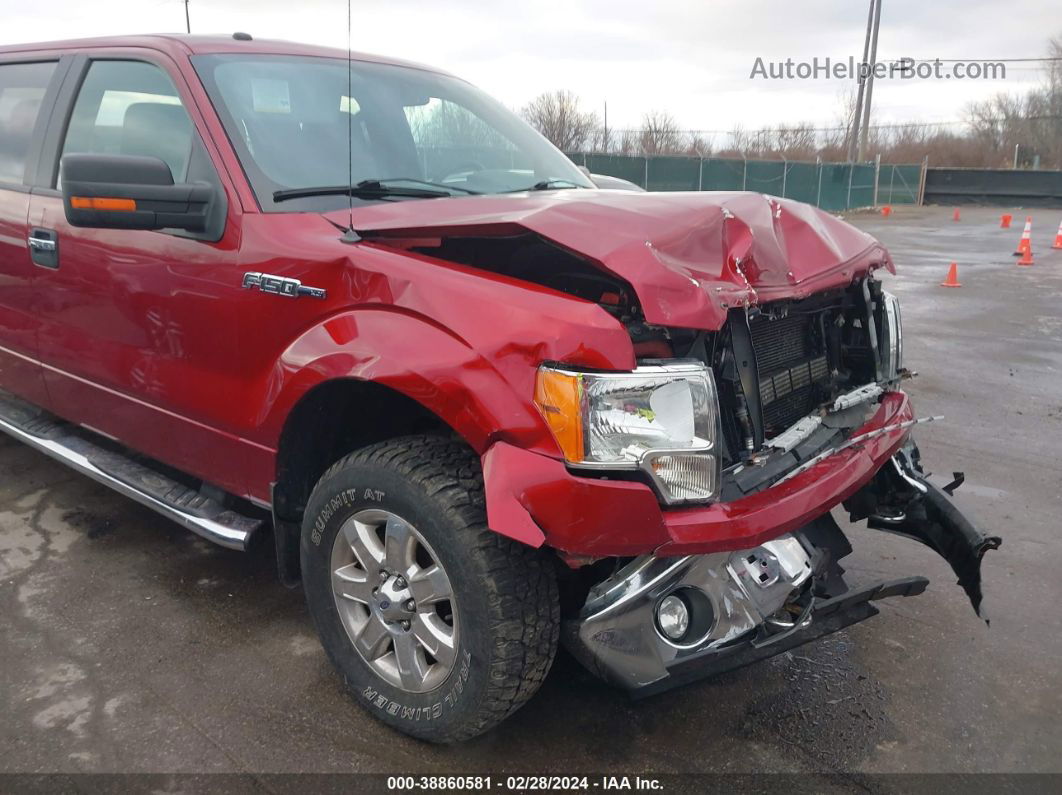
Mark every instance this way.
x=368 y=375
x=311 y=441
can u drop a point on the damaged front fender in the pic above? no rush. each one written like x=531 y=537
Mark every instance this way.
x=901 y=500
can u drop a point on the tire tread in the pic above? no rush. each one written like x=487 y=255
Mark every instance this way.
x=521 y=584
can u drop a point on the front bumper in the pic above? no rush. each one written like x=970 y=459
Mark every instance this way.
x=759 y=602
x=536 y=500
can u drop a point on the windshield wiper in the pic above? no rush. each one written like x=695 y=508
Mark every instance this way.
x=372 y=189
x=548 y=184
x=416 y=181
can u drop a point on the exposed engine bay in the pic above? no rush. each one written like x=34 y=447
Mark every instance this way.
x=795 y=377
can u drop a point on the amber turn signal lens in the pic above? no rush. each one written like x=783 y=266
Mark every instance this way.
x=558 y=397
x=113 y=205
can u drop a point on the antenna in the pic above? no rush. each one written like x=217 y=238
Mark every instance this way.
x=187 y=19
x=350 y=236
x=350 y=131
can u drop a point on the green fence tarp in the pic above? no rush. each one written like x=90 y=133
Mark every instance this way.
x=719 y=174
x=802 y=182
x=625 y=167
x=899 y=184
x=861 y=188
x=831 y=186
x=673 y=173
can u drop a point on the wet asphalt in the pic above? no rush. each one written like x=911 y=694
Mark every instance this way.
x=130 y=645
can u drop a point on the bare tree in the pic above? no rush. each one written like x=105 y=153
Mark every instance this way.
x=557 y=115
x=628 y=142
x=602 y=140
x=660 y=134
x=698 y=146
x=787 y=141
x=445 y=124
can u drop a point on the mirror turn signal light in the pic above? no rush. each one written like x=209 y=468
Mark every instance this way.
x=111 y=205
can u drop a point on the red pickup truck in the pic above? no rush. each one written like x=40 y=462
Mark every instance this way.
x=479 y=405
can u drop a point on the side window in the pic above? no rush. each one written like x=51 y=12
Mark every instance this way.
x=131 y=108
x=22 y=87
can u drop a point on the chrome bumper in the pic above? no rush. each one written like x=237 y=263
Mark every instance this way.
x=616 y=635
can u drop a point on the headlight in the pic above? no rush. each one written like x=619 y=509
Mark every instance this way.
x=661 y=419
x=892 y=338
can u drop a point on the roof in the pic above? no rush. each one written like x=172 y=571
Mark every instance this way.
x=179 y=45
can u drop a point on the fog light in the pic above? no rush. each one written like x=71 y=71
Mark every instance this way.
x=684 y=476
x=673 y=617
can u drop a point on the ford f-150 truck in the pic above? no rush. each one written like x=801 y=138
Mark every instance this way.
x=355 y=308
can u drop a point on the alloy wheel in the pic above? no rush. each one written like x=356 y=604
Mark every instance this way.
x=395 y=600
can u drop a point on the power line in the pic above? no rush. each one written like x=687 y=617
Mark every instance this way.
x=979 y=60
x=798 y=128
x=841 y=128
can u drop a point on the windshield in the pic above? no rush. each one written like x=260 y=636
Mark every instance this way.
x=288 y=119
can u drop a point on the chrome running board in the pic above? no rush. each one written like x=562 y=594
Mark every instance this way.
x=56 y=439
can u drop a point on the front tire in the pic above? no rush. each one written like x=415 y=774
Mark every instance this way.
x=440 y=627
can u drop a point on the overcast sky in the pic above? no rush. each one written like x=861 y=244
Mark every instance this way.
x=689 y=57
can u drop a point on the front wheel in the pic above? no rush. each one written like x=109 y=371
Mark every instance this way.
x=440 y=627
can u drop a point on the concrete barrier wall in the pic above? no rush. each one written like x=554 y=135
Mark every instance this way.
x=1003 y=187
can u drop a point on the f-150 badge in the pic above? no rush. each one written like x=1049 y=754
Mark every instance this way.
x=278 y=285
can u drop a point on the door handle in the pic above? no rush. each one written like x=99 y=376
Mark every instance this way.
x=44 y=247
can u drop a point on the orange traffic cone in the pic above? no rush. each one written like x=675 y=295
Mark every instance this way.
x=1058 y=237
x=955 y=215
x=953 y=277
x=886 y=211
x=1026 y=257
x=1004 y=220
x=1025 y=244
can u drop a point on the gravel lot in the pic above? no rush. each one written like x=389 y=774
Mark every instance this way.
x=128 y=644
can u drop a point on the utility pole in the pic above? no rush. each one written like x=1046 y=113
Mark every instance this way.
x=853 y=132
x=870 y=84
x=187 y=19
x=604 y=131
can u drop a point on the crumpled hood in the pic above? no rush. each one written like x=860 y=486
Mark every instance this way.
x=689 y=256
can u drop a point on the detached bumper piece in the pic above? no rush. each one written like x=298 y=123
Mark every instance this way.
x=901 y=500
x=659 y=623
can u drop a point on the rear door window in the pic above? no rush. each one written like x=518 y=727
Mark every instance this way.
x=22 y=87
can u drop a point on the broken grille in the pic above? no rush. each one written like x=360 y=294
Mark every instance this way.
x=792 y=367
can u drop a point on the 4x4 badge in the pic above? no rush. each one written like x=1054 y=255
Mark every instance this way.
x=278 y=285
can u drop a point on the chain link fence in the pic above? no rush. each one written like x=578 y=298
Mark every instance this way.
x=831 y=186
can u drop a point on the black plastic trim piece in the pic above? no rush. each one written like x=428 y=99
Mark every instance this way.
x=924 y=512
x=748 y=373
x=63 y=106
x=44 y=119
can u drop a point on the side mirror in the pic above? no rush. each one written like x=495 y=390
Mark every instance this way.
x=133 y=192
